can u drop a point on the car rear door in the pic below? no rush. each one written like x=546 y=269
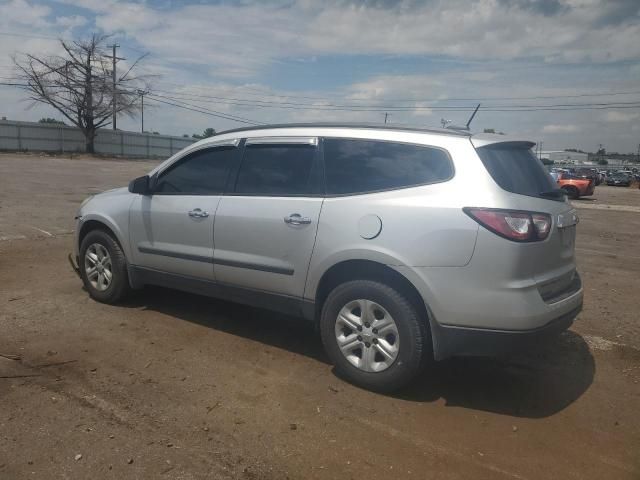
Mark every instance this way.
x=172 y=229
x=265 y=227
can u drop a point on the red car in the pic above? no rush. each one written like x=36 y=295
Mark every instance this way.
x=576 y=187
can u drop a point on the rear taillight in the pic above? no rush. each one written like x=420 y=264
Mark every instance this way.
x=516 y=225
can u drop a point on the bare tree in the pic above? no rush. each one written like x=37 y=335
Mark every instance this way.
x=79 y=84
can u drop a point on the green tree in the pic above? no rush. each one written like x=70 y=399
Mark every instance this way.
x=52 y=121
x=603 y=161
x=208 y=132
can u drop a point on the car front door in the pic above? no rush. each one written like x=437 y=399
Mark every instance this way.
x=171 y=230
x=265 y=227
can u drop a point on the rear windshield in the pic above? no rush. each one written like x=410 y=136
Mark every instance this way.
x=516 y=169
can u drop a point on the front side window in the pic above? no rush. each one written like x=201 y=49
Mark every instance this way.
x=360 y=166
x=200 y=173
x=276 y=170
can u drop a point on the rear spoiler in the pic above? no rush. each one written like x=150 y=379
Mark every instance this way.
x=502 y=141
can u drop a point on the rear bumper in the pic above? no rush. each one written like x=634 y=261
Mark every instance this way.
x=459 y=341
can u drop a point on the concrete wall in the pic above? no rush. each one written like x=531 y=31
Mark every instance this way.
x=41 y=137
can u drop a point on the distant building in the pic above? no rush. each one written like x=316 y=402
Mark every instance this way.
x=560 y=156
x=617 y=162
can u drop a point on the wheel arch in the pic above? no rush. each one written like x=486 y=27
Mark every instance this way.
x=95 y=223
x=357 y=269
x=571 y=189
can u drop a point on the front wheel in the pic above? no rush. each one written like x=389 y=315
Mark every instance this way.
x=103 y=267
x=374 y=335
x=572 y=192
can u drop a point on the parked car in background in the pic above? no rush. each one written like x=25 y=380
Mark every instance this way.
x=589 y=173
x=619 y=180
x=398 y=244
x=576 y=187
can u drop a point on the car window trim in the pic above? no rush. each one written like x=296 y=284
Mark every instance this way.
x=306 y=140
x=367 y=192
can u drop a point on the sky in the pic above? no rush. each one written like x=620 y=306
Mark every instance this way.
x=562 y=72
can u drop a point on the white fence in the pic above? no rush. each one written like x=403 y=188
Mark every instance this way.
x=42 y=137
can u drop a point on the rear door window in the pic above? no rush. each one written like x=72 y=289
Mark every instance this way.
x=277 y=170
x=360 y=166
x=516 y=169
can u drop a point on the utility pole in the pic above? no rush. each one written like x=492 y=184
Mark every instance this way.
x=540 y=151
x=141 y=93
x=113 y=73
x=600 y=155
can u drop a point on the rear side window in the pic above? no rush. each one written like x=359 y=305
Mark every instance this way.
x=360 y=166
x=276 y=170
x=516 y=169
x=200 y=173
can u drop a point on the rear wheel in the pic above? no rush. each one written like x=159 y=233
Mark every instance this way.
x=103 y=267
x=572 y=192
x=374 y=335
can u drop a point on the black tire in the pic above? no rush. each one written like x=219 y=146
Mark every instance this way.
x=572 y=192
x=119 y=287
x=415 y=347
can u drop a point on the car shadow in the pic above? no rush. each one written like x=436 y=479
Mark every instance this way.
x=270 y=328
x=536 y=383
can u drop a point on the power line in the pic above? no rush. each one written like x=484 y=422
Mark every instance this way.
x=249 y=102
x=13 y=34
x=400 y=100
x=505 y=109
x=231 y=116
x=385 y=108
x=207 y=112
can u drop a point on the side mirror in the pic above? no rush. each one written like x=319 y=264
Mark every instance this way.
x=140 y=185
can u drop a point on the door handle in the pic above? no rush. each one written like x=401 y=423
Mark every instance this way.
x=297 y=219
x=198 y=213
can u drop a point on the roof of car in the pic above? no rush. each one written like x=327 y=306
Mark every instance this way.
x=378 y=126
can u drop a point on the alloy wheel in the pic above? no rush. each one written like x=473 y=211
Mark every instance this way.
x=367 y=335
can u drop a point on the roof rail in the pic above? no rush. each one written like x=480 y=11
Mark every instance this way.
x=379 y=126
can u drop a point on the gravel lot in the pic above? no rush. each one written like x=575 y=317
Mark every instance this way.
x=172 y=385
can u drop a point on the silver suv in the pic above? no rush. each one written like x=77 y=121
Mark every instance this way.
x=401 y=245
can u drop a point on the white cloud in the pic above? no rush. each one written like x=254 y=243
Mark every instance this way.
x=560 y=128
x=16 y=13
x=483 y=50
x=240 y=39
x=616 y=116
x=72 y=21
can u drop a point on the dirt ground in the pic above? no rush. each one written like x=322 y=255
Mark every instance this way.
x=171 y=385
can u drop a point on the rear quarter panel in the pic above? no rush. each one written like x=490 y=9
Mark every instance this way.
x=422 y=226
